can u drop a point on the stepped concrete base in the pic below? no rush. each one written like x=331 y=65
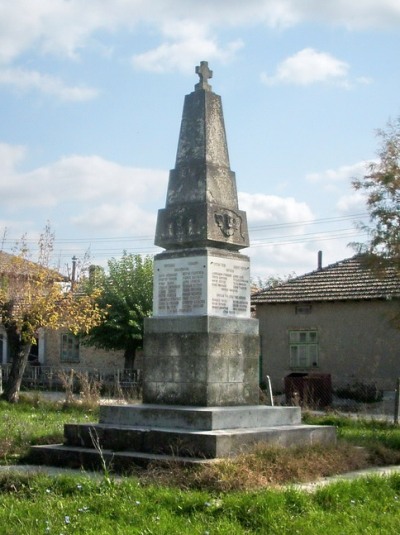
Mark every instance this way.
x=139 y=434
x=199 y=418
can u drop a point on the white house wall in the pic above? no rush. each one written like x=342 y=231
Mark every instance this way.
x=356 y=341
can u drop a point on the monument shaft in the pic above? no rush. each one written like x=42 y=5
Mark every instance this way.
x=201 y=345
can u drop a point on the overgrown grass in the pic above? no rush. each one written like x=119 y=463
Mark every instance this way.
x=264 y=466
x=380 y=438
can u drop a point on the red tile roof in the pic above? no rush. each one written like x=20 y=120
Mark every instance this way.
x=349 y=279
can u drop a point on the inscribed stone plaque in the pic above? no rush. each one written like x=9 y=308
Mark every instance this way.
x=228 y=287
x=202 y=285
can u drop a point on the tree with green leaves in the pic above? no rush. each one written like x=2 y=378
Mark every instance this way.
x=126 y=299
x=32 y=297
x=381 y=185
x=259 y=284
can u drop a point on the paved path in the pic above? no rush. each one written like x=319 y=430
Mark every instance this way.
x=375 y=471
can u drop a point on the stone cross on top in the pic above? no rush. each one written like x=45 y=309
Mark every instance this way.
x=204 y=74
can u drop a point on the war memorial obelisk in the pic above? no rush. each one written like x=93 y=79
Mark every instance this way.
x=201 y=347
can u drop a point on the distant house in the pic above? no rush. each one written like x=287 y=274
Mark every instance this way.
x=337 y=320
x=53 y=348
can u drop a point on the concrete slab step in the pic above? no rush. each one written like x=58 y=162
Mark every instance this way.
x=91 y=459
x=203 y=444
x=200 y=418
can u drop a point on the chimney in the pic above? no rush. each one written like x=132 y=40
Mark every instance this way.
x=319 y=260
x=73 y=276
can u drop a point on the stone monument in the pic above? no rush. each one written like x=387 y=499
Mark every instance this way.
x=201 y=347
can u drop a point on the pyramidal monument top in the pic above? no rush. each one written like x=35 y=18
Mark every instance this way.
x=202 y=205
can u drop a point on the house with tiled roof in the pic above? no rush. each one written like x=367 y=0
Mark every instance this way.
x=337 y=321
x=53 y=348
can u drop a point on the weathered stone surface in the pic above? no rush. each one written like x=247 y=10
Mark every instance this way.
x=202 y=206
x=208 y=282
x=201 y=361
x=198 y=418
x=143 y=445
x=201 y=225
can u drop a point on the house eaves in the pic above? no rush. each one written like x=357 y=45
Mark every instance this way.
x=15 y=266
x=349 y=279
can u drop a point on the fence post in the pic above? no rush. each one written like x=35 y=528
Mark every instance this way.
x=396 y=402
x=269 y=388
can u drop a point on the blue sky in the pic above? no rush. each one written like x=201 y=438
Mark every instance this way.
x=91 y=102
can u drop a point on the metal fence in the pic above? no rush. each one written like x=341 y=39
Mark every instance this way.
x=309 y=391
x=363 y=397
x=110 y=382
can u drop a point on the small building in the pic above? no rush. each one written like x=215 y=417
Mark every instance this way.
x=336 y=322
x=63 y=349
x=53 y=348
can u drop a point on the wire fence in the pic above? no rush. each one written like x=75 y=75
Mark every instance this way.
x=363 y=397
x=109 y=382
x=313 y=392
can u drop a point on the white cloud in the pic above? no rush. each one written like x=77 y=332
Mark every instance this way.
x=96 y=190
x=309 y=67
x=187 y=29
x=81 y=179
x=271 y=209
x=65 y=27
x=285 y=236
x=340 y=181
x=186 y=41
x=353 y=203
x=344 y=173
x=298 y=254
x=125 y=217
x=358 y=14
x=10 y=157
x=276 y=229
x=24 y=80
x=89 y=201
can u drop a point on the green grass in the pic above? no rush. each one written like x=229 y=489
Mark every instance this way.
x=38 y=422
x=379 y=437
x=237 y=496
x=79 y=505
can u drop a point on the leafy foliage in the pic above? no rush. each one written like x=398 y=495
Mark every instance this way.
x=259 y=284
x=126 y=299
x=34 y=297
x=382 y=188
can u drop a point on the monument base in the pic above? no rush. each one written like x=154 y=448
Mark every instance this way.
x=139 y=434
x=201 y=360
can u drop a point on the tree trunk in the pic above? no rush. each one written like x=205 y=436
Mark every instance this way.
x=18 y=365
x=129 y=356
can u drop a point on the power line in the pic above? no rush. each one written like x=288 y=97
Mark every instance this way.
x=302 y=239
x=65 y=248
x=252 y=228
x=308 y=222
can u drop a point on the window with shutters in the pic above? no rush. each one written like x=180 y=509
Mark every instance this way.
x=303 y=348
x=69 y=348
